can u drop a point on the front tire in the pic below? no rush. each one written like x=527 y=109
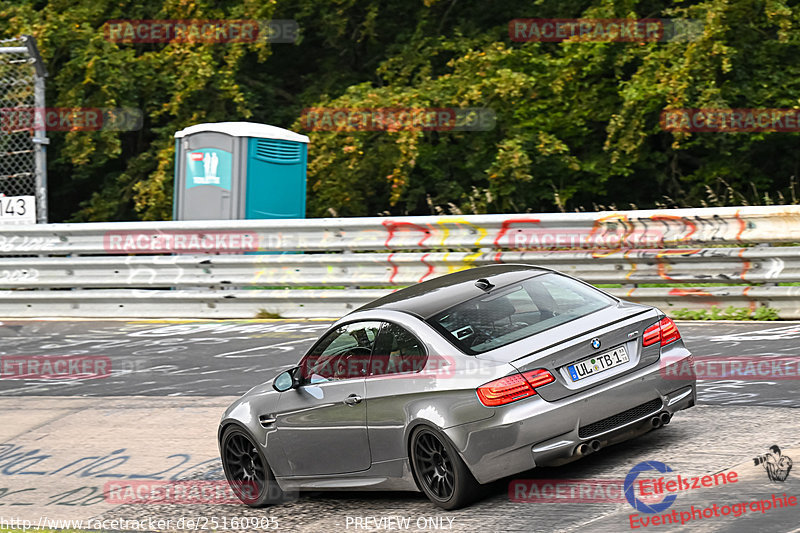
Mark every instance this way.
x=246 y=469
x=440 y=472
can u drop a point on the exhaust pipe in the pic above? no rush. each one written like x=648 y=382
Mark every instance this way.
x=665 y=418
x=588 y=447
x=655 y=422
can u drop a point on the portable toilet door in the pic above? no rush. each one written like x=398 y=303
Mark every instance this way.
x=207 y=165
x=276 y=177
x=239 y=170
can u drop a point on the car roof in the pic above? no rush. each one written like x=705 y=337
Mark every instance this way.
x=439 y=294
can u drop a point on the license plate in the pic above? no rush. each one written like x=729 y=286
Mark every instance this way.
x=598 y=363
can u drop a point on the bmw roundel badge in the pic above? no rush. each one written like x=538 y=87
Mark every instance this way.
x=595 y=343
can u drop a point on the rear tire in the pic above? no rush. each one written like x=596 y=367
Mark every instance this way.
x=440 y=472
x=247 y=470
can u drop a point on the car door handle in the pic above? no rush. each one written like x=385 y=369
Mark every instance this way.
x=353 y=399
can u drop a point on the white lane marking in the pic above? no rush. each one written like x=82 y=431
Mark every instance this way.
x=281 y=346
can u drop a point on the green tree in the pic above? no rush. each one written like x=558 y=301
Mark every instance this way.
x=117 y=175
x=577 y=123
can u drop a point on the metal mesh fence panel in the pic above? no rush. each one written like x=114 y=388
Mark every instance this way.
x=17 y=97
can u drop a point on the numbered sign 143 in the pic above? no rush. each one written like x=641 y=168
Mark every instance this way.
x=17 y=210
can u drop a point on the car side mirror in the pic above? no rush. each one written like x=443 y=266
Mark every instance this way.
x=286 y=380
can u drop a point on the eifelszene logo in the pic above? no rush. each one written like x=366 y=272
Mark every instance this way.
x=669 y=485
x=630 y=495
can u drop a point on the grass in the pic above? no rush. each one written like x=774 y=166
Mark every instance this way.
x=729 y=313
x=263 y=313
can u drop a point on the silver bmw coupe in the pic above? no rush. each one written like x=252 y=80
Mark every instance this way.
x=456 y=382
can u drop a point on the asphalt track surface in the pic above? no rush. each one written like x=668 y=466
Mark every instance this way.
x=169 y=381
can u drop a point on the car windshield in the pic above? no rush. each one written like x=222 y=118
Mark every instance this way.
x=521 y=310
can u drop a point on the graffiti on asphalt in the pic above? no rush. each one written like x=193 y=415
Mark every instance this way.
x=17 y=460
x=770 y=334
x=739 y=392
x=80 y=496
x=147 y=358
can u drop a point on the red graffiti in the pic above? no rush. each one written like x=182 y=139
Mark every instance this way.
x=507 y=223
x=430 y=268
x=392 y=227
x=394 y=267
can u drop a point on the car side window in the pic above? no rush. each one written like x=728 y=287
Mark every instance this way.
x=343 y=353
x=396 y=351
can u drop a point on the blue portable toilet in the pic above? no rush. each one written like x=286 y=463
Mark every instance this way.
x=239 y=170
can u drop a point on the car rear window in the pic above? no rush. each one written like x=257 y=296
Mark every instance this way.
x=521 y=310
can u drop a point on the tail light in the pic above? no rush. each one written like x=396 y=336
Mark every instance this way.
x=669 y=331
x=538 y=377
x=664 y=331
x=514 y=387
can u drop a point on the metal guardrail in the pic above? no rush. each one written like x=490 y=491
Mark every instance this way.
x=220 y=268
x=706 y=265
x=605 y=230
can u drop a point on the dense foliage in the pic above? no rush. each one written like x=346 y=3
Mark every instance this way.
x=577 y=123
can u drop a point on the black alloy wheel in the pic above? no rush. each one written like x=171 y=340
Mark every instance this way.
x=440 y=472
x=246 y=469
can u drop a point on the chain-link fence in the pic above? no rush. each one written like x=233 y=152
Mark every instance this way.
x=22 y=145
